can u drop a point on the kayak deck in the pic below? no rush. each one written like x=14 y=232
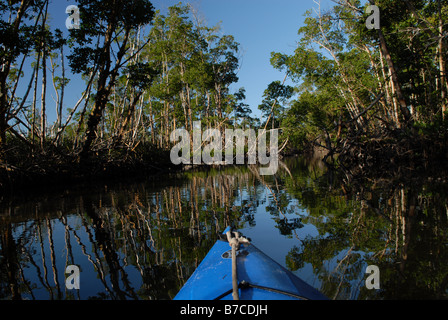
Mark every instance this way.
x=259 y=278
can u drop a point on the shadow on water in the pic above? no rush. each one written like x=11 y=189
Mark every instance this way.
x=143 y=240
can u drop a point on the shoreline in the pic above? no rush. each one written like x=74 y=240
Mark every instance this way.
x=48 y=170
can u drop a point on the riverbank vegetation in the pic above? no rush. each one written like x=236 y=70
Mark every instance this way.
x=372 y=98
x=144 y=74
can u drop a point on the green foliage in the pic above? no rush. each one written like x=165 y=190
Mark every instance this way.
x=275 y=98
x=196 y=69
x=97 y=18
x=141 y=75
x=146 y=74
x=341 y=67
x=18 y=39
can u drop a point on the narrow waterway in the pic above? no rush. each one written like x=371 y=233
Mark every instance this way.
x=143 y=240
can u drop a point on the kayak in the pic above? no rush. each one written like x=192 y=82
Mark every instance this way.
x=245 y=273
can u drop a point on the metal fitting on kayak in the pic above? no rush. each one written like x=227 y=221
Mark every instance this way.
x=235 y=239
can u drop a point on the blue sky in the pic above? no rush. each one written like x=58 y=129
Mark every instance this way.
x=260 y=26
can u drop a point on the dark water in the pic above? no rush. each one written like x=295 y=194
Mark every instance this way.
x=143 y=240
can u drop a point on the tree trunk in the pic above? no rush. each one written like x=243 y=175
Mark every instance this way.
x=443 y=82
x=101 y=97
x=33 y=113
x=103 y=90
x=151 y=122
x=3 y=113
x=43 y=123
x=397 y=87
x=4 y=72
x=128 y=117
x=396 y=83
x=61 y=101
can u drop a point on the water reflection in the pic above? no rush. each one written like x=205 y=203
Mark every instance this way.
x=143 y=240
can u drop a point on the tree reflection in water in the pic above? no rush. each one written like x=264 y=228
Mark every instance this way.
x=143 y=240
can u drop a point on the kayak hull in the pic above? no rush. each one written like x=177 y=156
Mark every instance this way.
x=261 y=278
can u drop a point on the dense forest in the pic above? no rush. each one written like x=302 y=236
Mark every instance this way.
x=145 y=75
x=373 y=97
x=369 y=97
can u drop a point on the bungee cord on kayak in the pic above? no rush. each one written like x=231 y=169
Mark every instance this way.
x=235 y=241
